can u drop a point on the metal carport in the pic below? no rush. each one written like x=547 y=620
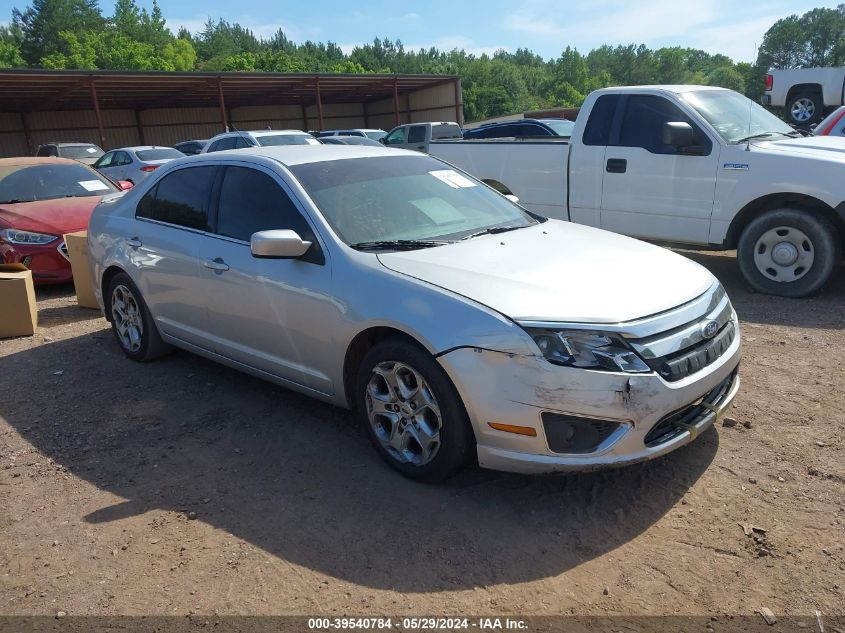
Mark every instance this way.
x=120 y=108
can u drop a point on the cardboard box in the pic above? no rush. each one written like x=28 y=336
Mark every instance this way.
x=18 y=314
x=77 y=251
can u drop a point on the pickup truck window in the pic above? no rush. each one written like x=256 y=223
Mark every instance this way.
x=395 y=137
x=600 y=122
x=416 y=134
x=642 y=124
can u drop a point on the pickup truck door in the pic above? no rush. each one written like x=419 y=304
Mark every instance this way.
x=653 y=190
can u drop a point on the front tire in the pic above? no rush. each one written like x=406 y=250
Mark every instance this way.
x=132 y=324
x=412 y=412
x=805 y=108
x=789 y=253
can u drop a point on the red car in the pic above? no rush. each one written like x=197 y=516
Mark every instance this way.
x=41 y=199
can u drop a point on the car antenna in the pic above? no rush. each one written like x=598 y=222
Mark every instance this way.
x=750 y=112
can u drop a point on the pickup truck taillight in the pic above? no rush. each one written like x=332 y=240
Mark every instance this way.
x=769 y=82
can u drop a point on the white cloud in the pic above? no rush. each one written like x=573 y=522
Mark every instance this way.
x=261 y=28
x=451 y=42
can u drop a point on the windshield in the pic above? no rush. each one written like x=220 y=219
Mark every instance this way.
x=561 y=127
x=27 y=183
x=733 y=116
x=161 y=153
x=376 y=135
x=286 y=139
x=80 y=151
x=404 y=198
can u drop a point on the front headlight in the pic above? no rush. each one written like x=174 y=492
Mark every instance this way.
x=587 y=349
x=26 y=237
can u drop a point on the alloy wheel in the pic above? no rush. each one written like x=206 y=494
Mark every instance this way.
x=403 y=413
x=803 y=110
x=127 y=318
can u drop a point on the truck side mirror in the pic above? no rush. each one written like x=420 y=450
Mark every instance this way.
x=678 y=134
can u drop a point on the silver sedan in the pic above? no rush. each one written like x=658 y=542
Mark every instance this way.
x=134 y=164
x=458 y=325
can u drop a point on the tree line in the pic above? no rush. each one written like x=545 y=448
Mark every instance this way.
x=74 y=34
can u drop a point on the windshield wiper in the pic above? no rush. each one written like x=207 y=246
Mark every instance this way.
x=397 y=245
x=492 y=231
x=753 y=136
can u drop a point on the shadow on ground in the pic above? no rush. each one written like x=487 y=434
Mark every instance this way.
x=298 y=479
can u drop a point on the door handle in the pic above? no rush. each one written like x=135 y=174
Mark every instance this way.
x=616 y=165
x=217 y=264
x=134 y=242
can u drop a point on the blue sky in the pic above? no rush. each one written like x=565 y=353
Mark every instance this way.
x=546 y=26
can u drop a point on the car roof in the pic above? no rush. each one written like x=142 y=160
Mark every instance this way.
x=139 y=148
x=675 y=88
x=302 y=154
x=58 y=144
x=37 y=160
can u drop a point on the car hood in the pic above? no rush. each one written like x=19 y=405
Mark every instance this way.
x=825 y=147
x=56 y=217
x=87 y=161
x=561 y=272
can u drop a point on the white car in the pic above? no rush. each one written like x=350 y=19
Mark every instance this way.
x=133 y=164
x=375 y=134
x=258 y=138
x=458 y=325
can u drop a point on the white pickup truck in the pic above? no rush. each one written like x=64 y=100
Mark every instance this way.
x=805 y=93
x=684 y=165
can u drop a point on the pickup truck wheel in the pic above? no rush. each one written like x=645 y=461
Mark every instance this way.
x=789 y=253
x=412 y=412
x=805 y=108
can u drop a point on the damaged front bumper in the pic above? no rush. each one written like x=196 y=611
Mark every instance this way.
x=633 y=417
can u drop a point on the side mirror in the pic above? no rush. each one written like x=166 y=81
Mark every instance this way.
x=511 y=197
x=278 y=244
x=677 y=134
x=124 y=184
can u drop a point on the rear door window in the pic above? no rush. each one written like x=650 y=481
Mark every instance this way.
x=416 y=134
x=600 y=123
x=180 y=198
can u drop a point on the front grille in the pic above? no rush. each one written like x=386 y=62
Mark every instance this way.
x=571 y=434
x=692 y=415
x=692 y=359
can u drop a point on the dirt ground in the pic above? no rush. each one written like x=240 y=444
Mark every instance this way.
x=183 y=487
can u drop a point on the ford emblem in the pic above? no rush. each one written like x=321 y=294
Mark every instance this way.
x=709 y=329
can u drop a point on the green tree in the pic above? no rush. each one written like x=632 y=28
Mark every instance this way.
x=726 y=77
x=42 y=22
x=10 y=55
x=179 y=54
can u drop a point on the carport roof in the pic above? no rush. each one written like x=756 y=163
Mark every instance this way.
x=48 y=90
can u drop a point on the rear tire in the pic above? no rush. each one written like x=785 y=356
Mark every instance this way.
x=412 y=412
x=804 y=109
x=132 y=324
x=789 y=253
